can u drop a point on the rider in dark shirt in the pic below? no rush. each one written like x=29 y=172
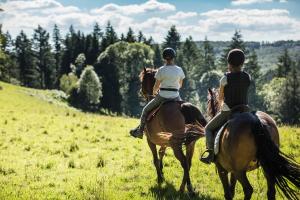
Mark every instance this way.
x=233 y=91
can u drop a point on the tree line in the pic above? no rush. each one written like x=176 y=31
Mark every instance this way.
x=100 y=70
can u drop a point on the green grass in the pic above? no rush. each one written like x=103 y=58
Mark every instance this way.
x=51 y=151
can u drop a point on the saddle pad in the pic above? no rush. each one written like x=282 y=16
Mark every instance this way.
x=218 y=138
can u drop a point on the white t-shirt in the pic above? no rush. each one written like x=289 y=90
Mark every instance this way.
x=169 y=76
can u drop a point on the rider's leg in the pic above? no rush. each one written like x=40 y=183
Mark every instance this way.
x=213 y=125
x=138 y=132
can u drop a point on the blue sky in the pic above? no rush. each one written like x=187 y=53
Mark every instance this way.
x=267 y=20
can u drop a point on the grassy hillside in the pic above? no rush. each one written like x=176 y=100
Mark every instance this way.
x=51 y=151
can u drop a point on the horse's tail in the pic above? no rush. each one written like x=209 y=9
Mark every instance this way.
x=192 y=114
x=279 y=167
x=195 y=122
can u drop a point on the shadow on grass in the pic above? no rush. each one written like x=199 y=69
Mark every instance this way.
x=168 y=191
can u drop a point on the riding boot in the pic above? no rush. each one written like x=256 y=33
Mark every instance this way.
x=209 y=148
x=138 y=131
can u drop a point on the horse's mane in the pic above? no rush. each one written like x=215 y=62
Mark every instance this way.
x=213 y=104
x=146 y=70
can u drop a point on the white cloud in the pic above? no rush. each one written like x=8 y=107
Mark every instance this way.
x=182 y=15
x=153 y=18
x=259 y=24
x=247 y=2
x=147 y=7
x=283 y=1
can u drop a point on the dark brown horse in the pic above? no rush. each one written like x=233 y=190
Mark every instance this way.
x=248 y=141
x=168 y=128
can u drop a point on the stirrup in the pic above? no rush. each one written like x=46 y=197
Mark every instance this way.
x=209 y=158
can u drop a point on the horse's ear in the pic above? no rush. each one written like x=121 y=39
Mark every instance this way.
x=210 y=92
x=145 y=70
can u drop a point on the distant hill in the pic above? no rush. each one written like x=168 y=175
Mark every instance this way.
x=267 y=52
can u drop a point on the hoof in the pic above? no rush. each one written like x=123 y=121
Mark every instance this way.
x=191 y=190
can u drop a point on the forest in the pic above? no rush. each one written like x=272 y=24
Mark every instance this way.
x=99 y=71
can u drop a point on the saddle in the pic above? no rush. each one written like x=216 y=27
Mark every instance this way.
x=235 y=111
x=155 y=110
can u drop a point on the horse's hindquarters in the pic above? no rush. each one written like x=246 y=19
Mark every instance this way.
x=166 y=125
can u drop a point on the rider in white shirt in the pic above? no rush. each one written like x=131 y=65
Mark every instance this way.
x=168 y=81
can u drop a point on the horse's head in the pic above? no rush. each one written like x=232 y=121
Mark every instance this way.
x=213 y=104
x=148 y=81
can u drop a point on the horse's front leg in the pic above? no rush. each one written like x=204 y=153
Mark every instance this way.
x=177 y=148
x=162 y=152
x=223 y=175
x=156 y=162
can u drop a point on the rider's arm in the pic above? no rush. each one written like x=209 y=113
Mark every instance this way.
x=156 y=87
x=180 y=83
x=221 y=95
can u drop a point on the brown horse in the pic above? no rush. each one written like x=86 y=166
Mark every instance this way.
x=168 y=129
x=248 y=141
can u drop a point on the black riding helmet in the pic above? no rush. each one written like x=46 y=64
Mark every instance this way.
x=236 y=57
x=169 y=53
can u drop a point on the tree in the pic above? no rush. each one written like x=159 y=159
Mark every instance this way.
x=208 y=56
x=290 y=108
x=93 y=45
x=90 y=89
x=29 y=75
x=253 y=68
x=110 y=37
x=172 y=39
x=80 y=63
x=119 y=67
x=284 y=64
x=68 y=82
x=141 y=37
x=57 y=40
x=190 y=59
x=158 y=61
x=237 y=42
x=130 y=37
x=45 y=59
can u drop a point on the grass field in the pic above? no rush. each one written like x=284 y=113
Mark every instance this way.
x=51 y=151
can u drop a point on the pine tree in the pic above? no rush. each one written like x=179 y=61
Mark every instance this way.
x=149 y=41
x=90 y=89
x=158 y=61
x=26 y=60
x=70 y=51
x=253 y=68
x=93 y=45
x=172 y=39
x=284 y=64
x=57 y=40
x=290 y=100
x=110 y=37
x=209 y=56
x=122 y=38
x=141 y=37
x=130 y=37
x=189 y=58
x=237 y=42
x=45 y=59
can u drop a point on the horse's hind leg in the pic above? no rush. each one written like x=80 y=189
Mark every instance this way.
x=183 y=161
x=223 y=175
x=271 y=188
x=155 y=161
x=247 y=188
x=232 y=184
x=189 y=153
x=161 y=154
